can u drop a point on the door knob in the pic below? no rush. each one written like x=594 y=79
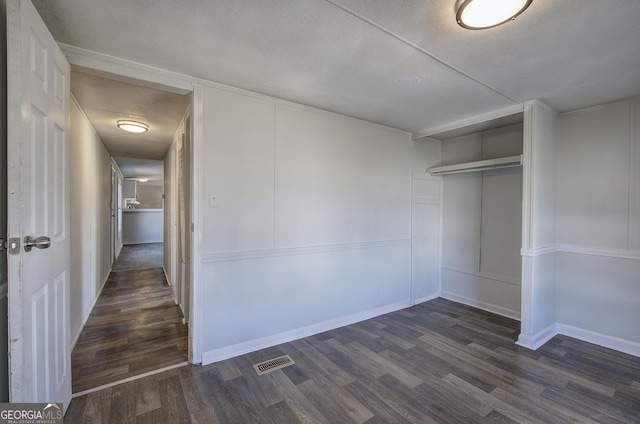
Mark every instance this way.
x=41 y=242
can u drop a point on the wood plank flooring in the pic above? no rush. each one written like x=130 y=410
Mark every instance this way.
x=438 y=362
x=134 y=328
x=139 y=256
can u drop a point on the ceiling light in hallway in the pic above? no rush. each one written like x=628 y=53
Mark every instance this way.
x=133 y=126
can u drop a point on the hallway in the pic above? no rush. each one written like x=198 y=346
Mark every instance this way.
x=135 y=326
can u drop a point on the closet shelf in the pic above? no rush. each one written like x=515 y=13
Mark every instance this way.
x=481 y=165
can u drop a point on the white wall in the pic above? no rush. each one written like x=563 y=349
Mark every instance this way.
x=306 y=223
x=538 y=316
x=426 y=237
x=142 y=226
x=482 y=219
x=598 y=263
x=90 y=194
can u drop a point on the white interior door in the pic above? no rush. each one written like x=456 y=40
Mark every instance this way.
x=38 y=183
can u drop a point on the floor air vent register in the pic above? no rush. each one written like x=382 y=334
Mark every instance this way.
x=273 y=364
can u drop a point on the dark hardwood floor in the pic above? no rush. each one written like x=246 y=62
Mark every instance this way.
x=134 y=328
x=438 y=362
x=139 y=256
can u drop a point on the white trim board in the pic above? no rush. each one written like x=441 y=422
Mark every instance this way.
x=307 y=250
x=127 y=71
x=425 y=298
x=582 y=250
x=538 y=339
x=475 y=124
x=539 y=251
x=611 y=342
x=129 y=379
x=596 y=251
x=299 y=333
x=505 y=312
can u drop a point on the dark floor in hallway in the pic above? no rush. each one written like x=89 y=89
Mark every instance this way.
x=135 y=326
x=139 y=256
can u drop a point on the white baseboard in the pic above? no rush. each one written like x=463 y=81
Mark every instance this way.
x=615 y=343
x=538 y=339
x=166 y=276
x=426 y=298
x=534 y=342
x=86 y=317
x=505 y=312
x=265 y=342
x=542 y=337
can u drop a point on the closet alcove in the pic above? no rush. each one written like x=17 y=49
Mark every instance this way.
x=482 y=185
x=498 y=175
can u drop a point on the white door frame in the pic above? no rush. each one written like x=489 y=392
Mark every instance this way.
x=136 y=73
x=113 y=213
x=116 y=211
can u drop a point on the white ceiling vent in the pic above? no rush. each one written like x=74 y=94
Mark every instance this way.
x=273 y=364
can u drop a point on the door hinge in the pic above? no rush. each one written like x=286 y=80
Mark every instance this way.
x=12 y=245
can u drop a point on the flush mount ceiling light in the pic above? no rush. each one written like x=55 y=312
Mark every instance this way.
x=133 y=126
x=483 y=14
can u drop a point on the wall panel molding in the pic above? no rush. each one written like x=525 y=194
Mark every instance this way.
x=306 y=250
x=596 y=251
x=539 y=251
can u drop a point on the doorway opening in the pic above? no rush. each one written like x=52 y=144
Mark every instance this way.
x=130 y=311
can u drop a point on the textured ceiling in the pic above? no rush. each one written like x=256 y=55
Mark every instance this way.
x=405 y=64
x=106 y=101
